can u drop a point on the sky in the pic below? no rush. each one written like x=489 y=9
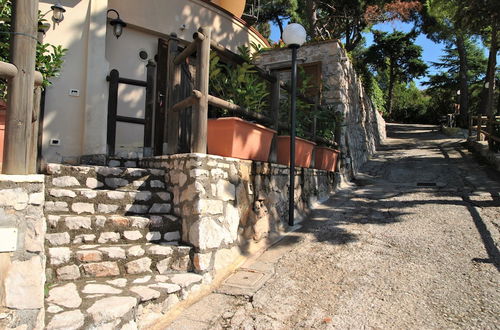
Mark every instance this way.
x=431 y=50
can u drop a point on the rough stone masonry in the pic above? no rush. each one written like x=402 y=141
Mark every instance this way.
x=22 y=271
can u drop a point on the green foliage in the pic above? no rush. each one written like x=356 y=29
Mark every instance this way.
x=238 y=84
x=443 y=86
x=370 y=83
x=410 y=104
x=396 y=54
x=304 y=110
x=328 y=119
x=276 y=11
x=49 y=58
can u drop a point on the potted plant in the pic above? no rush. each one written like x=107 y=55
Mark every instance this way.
x=303 y=148
x=233 y=136
x=325 y=157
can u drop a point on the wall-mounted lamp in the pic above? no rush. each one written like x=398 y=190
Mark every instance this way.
x=58 y=12
x=116 y=23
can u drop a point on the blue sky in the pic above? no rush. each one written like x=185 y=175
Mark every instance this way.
x=431 y=50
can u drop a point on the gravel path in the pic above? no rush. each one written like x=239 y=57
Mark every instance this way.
x=413 y=245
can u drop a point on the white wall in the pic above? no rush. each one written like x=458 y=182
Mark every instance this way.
x=80 y=122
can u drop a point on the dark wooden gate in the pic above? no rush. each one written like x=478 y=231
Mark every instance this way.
x=113 y=117
x=174 y=83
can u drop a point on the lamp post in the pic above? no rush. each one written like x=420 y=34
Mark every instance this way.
x=294 y=36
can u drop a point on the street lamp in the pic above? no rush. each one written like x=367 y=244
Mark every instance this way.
x=116 y=23
x=294 y=36
x=58 y=12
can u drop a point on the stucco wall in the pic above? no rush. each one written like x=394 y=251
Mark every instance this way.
x=80 y=123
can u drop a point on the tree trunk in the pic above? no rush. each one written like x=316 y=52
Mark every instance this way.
x=490 y=76
x=464 y=88
x=391 y=90
x=311 y=8
x=280 y=25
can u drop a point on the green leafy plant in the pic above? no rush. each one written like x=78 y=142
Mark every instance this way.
x=304 y=109
x=238 y=84
x=49 y=58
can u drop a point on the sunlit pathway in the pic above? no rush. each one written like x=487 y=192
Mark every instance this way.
x=414 y=244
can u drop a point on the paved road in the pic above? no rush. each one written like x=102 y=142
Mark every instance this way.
x=412 y=245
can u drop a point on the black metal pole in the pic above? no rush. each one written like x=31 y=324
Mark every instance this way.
x=291 y=195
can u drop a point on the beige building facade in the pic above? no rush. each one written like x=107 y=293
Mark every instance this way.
x=76 y=104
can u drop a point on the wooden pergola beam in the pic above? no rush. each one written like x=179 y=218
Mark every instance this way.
x=18 y=132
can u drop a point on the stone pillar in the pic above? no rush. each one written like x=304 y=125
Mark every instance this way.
x=22 y=268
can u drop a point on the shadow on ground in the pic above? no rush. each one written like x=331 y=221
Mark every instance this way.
x=415 y=159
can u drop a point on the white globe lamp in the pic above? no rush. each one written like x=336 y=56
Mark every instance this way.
x=294 y=35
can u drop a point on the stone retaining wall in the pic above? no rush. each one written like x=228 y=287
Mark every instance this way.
x=227 y=204
x=22 y=271
x=363 y=128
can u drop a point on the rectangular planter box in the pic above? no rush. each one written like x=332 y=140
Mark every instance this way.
x=303 y=151
x=326 y=158
x=237 y=138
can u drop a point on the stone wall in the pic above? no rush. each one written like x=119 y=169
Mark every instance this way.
x=22 y=271
x=363 y=127
x=227 y=204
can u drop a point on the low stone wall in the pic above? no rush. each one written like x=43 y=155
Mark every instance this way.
x=482 y=149
x=22 y=270
x=228 y=204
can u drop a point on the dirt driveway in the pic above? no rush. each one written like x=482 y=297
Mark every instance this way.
x=412 y=245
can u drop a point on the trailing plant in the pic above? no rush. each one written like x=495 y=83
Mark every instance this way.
x=49 y=58
x=239 y=83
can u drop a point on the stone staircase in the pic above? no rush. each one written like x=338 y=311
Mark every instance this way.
x=113 y=255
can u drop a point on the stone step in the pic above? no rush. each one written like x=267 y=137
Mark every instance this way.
x=111 y=260
x=88 y=201
x=128 y=302
x=104 y=177
x=66 y=229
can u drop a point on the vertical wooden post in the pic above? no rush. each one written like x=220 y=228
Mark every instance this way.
x=275 y=113
x=471 y=122
x=479 y=125
x=20 y=92
x=200 y=110
x=33 y=142
x=150 y=101
x=174 y=94
x=162 y=83
x=114 y=76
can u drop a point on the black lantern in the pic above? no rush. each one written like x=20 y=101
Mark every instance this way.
x=58 y=12
x=117 y=24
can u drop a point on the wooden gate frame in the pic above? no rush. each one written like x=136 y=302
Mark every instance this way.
x=113 y=117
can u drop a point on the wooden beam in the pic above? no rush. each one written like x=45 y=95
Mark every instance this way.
x=150 y=104
x=33 y=143
x=217 y=102
x=174 y=93
x=7 y=70
x=18 y=128
x=187 y=102
x=200 y=112
x=114 y=77
x=199 y=37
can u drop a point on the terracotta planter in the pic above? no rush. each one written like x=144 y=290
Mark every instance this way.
x=303 y=151
x=235 y=137
x=326 y=158
x=235 y=7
